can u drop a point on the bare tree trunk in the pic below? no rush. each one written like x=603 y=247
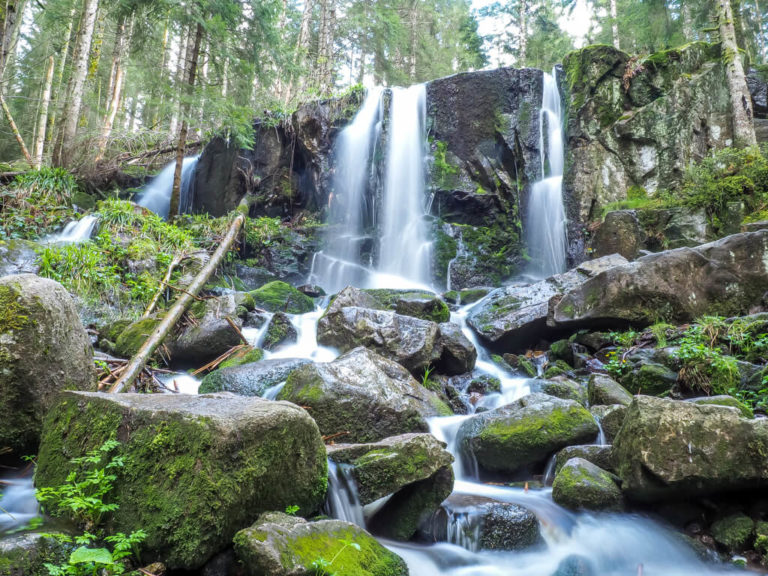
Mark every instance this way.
x=615 y=25
x=523 y=37
x=761 y=32
x=16 y=132
x=76 y=85
x=324 y=63
x=184 y=41
x=43 y=122
x=56 y=98
x=137 y=363
x=302 y=49
x=11 y=16
x=192 y=56
x=687 y=20
x=122 y=40
x=741 y=101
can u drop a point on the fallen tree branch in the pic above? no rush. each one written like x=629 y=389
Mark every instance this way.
x=177 y=258
x=235 y=351
x=137 y=363
x=237 y=329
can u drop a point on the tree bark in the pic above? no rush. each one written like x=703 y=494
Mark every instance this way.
x=59 y=105
x=687 y=20
x=42 y=124
x=192 y=56
x=615 y=25
x=741 y=101
x=16 y=132
x=137 y=363
x=122 y=40
x=77 y=83
x=11 y=16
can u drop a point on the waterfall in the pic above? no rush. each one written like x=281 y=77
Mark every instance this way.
x=156 y=195
x=74 y=232
x=403 y=243
x=546 y=233
x=350 y=205
x=404 y=246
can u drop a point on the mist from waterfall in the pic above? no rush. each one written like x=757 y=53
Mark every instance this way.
x=546 y=223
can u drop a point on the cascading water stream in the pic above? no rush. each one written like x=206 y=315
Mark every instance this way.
x=74 y=232
x=404 y=249
x=156 y=195
x=546 y=224
x=351 y=208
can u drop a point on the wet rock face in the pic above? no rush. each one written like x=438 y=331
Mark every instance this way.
x=667 y=448
x=197 y=468
x=364 y=395
x=44 y=350
x=674 y=111
x=580 y=485
x=487 y=523
x=726 y=277
x=525 y=432
x=251 y=379
x=282 y=545
x=484 y=129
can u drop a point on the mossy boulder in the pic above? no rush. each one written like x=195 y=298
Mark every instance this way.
x=280 y=331
x=211 y=335
x=650 y=379
x=281 y=297
x=412 y=342
x=601 y=456
x=735 y=532
x=494 y=525
x=668 y=448
x=385 y=467
x=282 y=545
x=250 y=379
x=44 y=349
x=245 y=357
x=726 y=277
x=604 y=390
x=197 y=468
x=724 y=400
x=133 y=336
x=557 y=368
x=561 y=350
x=563 y=387
x=27 y=553
x=580 y=485
x=363 y=394
x=416 y=303
x=525 y=432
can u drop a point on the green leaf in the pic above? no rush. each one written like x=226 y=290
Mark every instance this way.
x=95 y=555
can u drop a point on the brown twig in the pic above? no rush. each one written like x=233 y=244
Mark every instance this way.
x=237 y=329
x=333 y=436
x=238 y=350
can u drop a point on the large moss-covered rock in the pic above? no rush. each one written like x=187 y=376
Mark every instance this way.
x=44 y=349
x=197 y=468
x=620 y=233
x=210 y=336
x=282 y=545
x=649 y=378
x=675 y=111
x=605 y=390
x=280 y=331
x=251 y=379
x=385 y=467
x=562 y=387
x=735 y=532
x=668 y=448
x=724 y=400
x=363 y=394
x=525 y=432
x=601 y=456
x=133 y=336
x=580 y=485
x=416 y=303
x=410 y=341
x=27 y=553
x=511 y=317
x=281 y=297
x=726 y=277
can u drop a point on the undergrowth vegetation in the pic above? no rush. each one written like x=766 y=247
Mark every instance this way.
x=711 y=356
x=729 y=175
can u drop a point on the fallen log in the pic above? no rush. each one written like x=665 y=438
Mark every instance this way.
x=137 y=363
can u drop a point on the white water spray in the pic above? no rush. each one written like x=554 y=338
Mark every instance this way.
x=546 y=226
x=74 y=232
